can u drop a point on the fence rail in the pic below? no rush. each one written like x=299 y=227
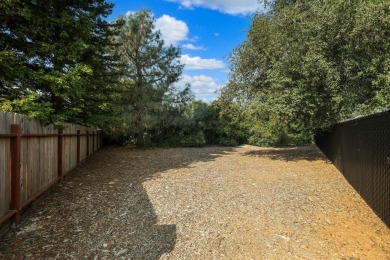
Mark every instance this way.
x=360 y=149
x=34 y=157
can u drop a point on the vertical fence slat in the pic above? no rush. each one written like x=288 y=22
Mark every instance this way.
x=78 y=147
x=100 y=139
x=5 y=180
x=59 y=153
x=15 y=171
x=87 y=143
x=93 y=141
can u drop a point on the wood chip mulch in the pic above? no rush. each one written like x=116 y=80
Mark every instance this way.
x=201 y=203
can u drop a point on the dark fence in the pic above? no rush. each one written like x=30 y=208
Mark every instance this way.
x=360 y=149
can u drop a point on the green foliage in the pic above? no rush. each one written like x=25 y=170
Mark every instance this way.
x=306 y=65
x=194 y=138
x=148 y=101
x=57 y=56
x=30 y=106
x=186 y=127
x=231 y=129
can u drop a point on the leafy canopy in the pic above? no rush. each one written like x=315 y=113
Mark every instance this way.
x=308 y=64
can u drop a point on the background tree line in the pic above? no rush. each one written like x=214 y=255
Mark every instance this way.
x=305 y=65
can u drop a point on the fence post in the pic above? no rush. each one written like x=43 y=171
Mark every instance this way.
x=87 y=132
x=15 y=171
x=60 y=145
x=78 y=146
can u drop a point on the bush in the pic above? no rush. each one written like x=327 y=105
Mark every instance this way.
x=192 y=139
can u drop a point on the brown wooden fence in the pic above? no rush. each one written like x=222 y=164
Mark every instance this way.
x=34 y=157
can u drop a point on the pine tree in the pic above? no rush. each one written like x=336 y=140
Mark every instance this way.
x=148 y=84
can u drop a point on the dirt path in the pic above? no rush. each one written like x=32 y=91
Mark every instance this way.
x=201 y=203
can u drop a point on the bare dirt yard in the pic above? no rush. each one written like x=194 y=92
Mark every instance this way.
x=201 y=203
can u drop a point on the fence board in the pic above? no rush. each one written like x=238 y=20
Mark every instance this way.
x=5 y=181
x=38 y=156
x=83 y=147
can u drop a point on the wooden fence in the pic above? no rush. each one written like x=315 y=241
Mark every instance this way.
x=34 y=157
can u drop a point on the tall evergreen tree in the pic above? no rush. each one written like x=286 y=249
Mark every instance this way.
x=148 y=84
x=56 y=59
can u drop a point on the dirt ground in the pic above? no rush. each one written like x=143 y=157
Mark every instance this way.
x=201 y=203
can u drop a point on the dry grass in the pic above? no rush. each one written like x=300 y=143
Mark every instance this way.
x=201 y=203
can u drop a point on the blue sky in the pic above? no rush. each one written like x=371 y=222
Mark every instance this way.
x=206 y=30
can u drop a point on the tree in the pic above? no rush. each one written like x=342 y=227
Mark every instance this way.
x=148 y=92
x=309 y=64
x=56 y=59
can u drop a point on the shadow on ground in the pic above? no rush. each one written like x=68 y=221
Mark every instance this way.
x=103 y=210
x=307 y=153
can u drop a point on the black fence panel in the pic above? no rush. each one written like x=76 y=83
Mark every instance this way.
x=360 y=149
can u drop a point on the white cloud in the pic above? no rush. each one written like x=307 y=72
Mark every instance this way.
x=194 y=39
x=172 y=30
x=197 y=63
x=233 y=7
x=202 y=86
x=190 y=46
x=128 y=13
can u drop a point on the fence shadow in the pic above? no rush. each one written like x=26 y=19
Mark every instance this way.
x=103 y=210
x=303 y=153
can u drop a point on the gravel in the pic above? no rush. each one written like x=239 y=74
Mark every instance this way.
x=201 y=203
